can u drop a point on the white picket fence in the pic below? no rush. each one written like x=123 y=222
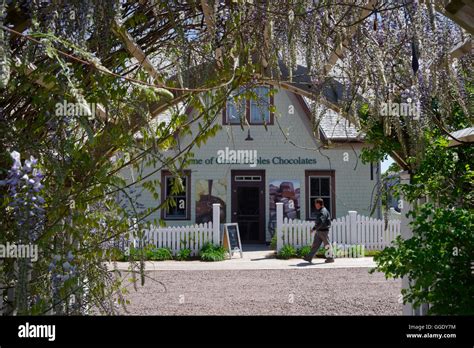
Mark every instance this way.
x=353 y=229
x=177 y=238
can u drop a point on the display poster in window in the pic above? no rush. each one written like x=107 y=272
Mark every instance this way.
x=288 y=193
x=209 y=192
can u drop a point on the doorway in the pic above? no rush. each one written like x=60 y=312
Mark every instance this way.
x=248 y=204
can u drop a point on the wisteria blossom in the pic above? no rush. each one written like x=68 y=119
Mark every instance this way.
x=24 y=187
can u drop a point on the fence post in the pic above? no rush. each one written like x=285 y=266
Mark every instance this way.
x=279 y=225
x=216 y=223
x=406 y=233
x=352 y=227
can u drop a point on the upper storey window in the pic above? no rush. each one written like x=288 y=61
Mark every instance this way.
x=254 y=111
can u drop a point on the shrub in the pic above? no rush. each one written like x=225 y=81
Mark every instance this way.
x=149 y=251
x=273 y=242
x=321 y=252
x=341 y=251
x=436 y=258
x=137 y=253
x=287 y=252
x=372 y=252
x=160 y=254
x=359 y=251
x=118 y=255
x=183 y=254
x=211 y=252
x=304 y=251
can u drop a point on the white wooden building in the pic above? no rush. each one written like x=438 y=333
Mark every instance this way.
x=276 y=158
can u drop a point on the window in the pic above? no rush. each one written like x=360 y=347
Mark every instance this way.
x=248 y=178
x=320 y=184
x=180 y=209
x=259 y=108
x=254 y=112
x=235 y=109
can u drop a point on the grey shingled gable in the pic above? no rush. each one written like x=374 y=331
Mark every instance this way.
x=333 y=126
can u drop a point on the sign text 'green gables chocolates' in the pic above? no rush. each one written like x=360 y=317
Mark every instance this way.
x=277 y=160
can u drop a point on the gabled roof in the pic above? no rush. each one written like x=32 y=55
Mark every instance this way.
x=332 y=125
x=332 y=90
x=335 y=127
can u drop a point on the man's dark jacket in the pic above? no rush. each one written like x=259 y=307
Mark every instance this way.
x=323 y=220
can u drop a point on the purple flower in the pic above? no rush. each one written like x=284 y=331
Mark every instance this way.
x=29 y=164
x=22 y=183
x=16 y=161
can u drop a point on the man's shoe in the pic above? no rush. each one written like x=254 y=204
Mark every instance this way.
x=329 y=261
x=307 y=259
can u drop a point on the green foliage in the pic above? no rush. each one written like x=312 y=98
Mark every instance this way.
x=119 y=255
x=273 y=242
x=211 y=252
x=88 y=205
x=382 y=144
x=348 y=251
x=136 y=254
x=445 y=174
x=437 y=259
x=321 y=252
x=183 y=254
x=372 y=253
x=303 y=251
x=151 y=253
x=160 y=254
x=287 y=252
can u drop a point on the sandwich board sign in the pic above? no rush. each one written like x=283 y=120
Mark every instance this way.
x=231 y=239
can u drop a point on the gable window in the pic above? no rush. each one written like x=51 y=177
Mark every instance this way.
x=259 y=108
x=251 y=111
x=180 y=209
x=235 y=109
x=320 y=184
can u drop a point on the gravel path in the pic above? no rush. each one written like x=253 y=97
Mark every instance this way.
x=339 y=291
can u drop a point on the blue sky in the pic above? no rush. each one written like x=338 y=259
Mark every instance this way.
x=386 y=164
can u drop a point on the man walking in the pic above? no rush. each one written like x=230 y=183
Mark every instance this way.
x=321 y=228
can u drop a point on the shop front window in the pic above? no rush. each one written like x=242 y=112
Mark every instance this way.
x=319 y=185
x=178 y=208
